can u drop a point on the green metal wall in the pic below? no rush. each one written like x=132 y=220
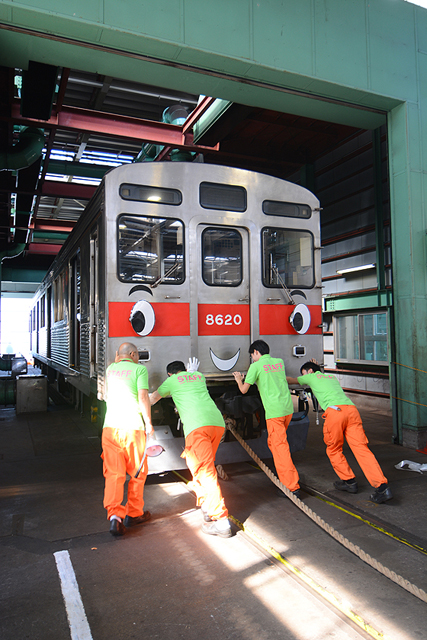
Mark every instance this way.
x=347 y=61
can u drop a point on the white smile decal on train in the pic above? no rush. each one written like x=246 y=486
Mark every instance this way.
x=224 y=365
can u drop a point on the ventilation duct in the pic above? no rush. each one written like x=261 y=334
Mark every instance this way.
x=25 y=152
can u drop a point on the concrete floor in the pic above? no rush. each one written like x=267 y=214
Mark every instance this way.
x=166 y=579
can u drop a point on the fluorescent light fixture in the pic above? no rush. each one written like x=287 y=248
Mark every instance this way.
x=363 y=267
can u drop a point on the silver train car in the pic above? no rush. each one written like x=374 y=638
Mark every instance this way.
x=182 y=259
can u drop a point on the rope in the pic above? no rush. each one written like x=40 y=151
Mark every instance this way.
x=405 y=584
x=408 y=367
x=419 y=404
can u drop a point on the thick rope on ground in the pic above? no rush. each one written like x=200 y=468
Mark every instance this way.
x=405 y=584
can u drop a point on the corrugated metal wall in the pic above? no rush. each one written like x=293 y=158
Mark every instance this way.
x=346 y=189
x=345 y=184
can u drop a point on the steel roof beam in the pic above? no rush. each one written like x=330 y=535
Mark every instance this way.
x=43 y=248
x=67 y=190
x=56 y=189
x=85 y=121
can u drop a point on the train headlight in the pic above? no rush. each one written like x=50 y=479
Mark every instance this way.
x=142 y=318
x=300 y=318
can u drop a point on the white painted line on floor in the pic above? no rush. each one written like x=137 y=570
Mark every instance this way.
x=79 y=626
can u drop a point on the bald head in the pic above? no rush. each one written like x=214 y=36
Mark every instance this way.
x=127 y=350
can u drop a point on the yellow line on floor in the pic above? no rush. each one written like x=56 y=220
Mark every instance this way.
x=326 y=595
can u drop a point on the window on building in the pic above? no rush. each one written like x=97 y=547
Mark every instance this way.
x=361 y=337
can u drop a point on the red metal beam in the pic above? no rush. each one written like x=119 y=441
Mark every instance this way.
x=63 y=226
x=67 y=190
x=84 y=120
x=163 y=154
x=197 y=113
x=46 y=249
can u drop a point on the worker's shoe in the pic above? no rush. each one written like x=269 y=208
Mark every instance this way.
x=117 y=528
x=133 y=522
x=206 y=517
x=296 y=493
x=219 y=528
x=381 y=494
x=346 y=485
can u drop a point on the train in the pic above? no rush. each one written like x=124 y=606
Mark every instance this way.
x=183 y=259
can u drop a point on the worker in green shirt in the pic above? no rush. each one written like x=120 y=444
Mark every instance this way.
x=203 y=430
x=269 y=375
x=127 y=424
x=342 y=420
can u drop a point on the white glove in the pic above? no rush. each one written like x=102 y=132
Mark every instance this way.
x=193 y=364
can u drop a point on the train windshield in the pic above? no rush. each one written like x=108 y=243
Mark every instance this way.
x=150 y=249
x=287 y=258
x=222 y=257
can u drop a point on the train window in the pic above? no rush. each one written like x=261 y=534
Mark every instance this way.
x=286 y=209
x=225 y=197
x=58 y=293
x=146 y=193
x=150 y=250
x=287 y=256
x=221 y=257
x=43 y=312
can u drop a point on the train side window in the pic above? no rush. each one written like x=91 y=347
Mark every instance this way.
x=221 y=257
x=286 y=209
x=58 y=293
x=150 y=250
x=43 y=312
x=146 y=193
x=287 y=257
x=223 y=197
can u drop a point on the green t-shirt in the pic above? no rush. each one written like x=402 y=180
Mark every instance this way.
x=191 y=397
x=124 y=380
x=270 y=377
x=326 y=388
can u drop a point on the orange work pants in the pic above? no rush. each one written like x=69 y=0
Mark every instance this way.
x=122 y=452
x=200 y=449
x=347 y=423
x=278 y=444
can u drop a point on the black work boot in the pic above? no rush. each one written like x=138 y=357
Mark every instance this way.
x=346 y=485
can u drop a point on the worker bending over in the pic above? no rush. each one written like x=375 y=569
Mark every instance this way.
x=269 y=375
x=203 y=430
x=342 y=420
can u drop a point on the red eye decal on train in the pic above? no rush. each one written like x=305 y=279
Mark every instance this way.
x=288 y=320
x=144 y=318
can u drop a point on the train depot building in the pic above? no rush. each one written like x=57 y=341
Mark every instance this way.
x=191 y=177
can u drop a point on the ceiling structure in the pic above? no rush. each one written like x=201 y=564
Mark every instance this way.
x=62 y=129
